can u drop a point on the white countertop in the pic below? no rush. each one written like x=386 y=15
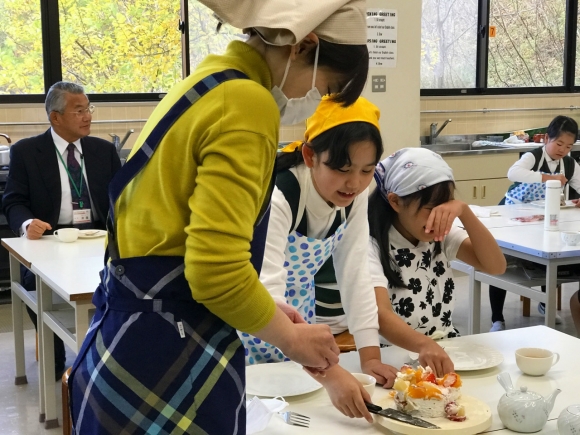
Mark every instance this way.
x=49 y=247
x=534 y=240
x=507 y=212
x=73 y=279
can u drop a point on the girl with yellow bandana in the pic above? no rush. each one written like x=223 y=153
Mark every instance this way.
x=318 y=225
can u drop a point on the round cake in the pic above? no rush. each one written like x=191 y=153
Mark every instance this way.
x=421 y=393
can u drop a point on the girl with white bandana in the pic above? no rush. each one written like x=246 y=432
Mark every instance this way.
x=411 y=214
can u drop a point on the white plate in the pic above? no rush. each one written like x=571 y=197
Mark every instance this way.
x=542 y=203
x=279 y=379
x=468 y=356
x=91 y=234
x=477 y=412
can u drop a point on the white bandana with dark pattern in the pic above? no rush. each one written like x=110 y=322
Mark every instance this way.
x=409 y=170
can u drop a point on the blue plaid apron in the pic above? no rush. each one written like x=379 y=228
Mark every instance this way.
x=155 y=361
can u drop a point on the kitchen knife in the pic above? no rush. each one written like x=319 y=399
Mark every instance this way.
x=400 y=416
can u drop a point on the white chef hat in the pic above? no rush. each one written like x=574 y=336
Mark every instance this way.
x=285 y=22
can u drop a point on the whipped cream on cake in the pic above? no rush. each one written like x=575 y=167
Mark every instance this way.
x=421 y=393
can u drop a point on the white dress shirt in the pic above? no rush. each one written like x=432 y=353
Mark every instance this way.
x=65 y=216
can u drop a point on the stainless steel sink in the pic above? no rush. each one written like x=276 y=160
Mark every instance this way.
x=462 y=147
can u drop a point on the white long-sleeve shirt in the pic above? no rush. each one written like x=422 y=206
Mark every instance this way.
x=521 y=171
x=350 y=256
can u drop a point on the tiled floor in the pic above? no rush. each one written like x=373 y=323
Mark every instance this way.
x=19 y=404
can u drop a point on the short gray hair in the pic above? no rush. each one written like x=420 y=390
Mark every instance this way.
x=55 y=101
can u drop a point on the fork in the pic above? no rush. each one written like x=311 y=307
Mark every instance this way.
x=295 y=419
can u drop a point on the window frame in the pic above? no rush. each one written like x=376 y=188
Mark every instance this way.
x=52 y=64
x=482 y=60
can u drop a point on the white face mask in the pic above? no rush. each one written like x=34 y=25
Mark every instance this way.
x=295 y=110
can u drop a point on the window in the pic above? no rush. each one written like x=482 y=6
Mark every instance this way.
x=577 y=75
x=528 y=50
x=20 y=48
x=203 y=38
x=120 y=46
x=448 y=44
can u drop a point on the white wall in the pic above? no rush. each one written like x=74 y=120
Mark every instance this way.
x=400 y=104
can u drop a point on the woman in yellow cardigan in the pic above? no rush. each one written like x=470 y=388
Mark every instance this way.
x=187 y=225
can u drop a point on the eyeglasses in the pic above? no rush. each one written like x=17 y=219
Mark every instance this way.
x=82 y=112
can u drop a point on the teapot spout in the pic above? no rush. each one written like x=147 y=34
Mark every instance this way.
x=505 y=381
x=551 y=399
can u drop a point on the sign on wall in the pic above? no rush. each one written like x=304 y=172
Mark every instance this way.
x=382 y=37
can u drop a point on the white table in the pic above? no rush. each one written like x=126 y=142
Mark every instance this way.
x=508 y=212
x=325 y=419
x=66 y=278
x=527 y=241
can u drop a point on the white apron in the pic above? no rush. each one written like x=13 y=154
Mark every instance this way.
x=303 y=258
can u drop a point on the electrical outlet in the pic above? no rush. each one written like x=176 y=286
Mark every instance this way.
x=379 y=84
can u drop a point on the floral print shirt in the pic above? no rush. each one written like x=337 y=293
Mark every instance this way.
x=427 y=302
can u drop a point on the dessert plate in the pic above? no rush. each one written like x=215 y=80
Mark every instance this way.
x=477 y=412
x=91 y=234
x=468 y=356
x=279 y=379
x=542 y=203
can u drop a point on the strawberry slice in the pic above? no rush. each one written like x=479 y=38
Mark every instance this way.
x=430 y=377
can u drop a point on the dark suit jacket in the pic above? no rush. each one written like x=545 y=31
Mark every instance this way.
x=33 y=189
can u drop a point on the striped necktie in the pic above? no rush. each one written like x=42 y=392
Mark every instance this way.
x=83 y=200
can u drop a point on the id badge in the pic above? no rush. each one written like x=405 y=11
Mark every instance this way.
x=82 y=216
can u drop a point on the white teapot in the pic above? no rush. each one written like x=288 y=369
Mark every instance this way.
x=522 y=410
x=569 y=421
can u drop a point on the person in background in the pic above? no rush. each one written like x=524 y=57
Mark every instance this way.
x=529 y=174
x=411 y=214
x=187 y=227
x=575 y=309
x=318 y=225
x=59 y=179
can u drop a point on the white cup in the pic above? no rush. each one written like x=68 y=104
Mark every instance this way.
x=570 y=238
x=535 y=361
x=367 y=381
x=67 y=235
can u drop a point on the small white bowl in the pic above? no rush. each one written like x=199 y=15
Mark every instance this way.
x=367 y=381
x=570 y=238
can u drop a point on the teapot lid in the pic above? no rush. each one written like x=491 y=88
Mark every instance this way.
x=523 y=394
x=574 y=409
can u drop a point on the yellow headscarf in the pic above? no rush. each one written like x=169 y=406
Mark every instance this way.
x=330 y=114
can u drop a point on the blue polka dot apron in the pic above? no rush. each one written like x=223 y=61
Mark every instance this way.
x=154 y=360
x=521 y=193
x=304 y=256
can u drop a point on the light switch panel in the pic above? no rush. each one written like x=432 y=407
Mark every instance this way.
x=379 y=83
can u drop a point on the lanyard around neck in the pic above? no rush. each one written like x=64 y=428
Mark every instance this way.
x=74 y=185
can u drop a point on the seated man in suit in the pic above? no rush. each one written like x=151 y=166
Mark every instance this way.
x=60 y=178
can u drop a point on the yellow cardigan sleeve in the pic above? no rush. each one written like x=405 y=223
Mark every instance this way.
x=227 y=198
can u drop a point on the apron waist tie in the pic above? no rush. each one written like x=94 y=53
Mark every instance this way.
x=149 y=305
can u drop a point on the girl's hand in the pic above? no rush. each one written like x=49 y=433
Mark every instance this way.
x=383 y=373
x=441 y=218
x=576 y=202
x=434 y=356
x=347 y=394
